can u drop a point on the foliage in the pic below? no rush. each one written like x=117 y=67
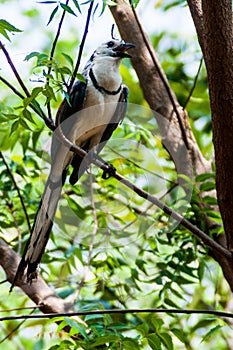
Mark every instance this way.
x=140 y=256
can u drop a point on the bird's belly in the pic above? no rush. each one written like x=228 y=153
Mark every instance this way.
x=92 y=121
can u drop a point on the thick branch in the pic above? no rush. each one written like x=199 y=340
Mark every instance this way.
x=38 y=291
x=195 y=7
x=149 y=71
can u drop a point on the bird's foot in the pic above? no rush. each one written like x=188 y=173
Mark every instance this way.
x=110 y=171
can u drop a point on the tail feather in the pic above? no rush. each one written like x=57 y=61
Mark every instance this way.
x=41 y=229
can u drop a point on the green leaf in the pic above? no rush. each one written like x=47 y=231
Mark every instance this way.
x=68 y=9
x=14 y=126
x=81 y=78
x=111 y=338
x=76 y=326
x=48 y=92
x=211 y=332
x=52 y=15
x=143 y=329
x=157 y=323
x=204 y=177
x=24 y=124
x=77 y=5
x=210 y=200
x=154 y=342
x=167 y=340
x=179 y=334
x=68 y=59
x=207 y=186
x=28 y=116
x=67 y=97
x=129 y=344
x=77 y=209
x=7 y=27
x=31 y=55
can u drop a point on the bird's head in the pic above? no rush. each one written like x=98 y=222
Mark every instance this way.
x=114 y=48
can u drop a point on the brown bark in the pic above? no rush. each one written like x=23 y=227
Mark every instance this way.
x=186 y=155
x=38 y=291
x=187 y=159
x=218 y=55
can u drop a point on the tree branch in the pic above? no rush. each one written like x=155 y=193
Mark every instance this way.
x=81 y=47
x=21 y=83
x=52 y=54
x=195 y=7
x=179 y=218
x=187 y=159
x=123 y=312
x=38 y=291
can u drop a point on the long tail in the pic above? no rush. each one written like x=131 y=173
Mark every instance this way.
x=41 y=229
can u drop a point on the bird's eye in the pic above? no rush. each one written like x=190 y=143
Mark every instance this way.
x=110 y=43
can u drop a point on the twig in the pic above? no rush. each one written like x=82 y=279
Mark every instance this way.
x=166 y=85
x=122 y=312
x=141 y=167
x=22 y=308
x=14 y=329
x=81 y=46
x=17 y=190
x=21 y=83
x=194 y=84
x=52 y=54
x=95 y=229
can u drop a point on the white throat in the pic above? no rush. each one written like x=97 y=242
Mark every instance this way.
x=106 y=71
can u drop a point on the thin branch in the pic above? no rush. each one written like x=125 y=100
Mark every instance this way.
x=21 y=83
x=95 y=229
x=194 y=84
x=81 y=47
x=52 y=54
x=17 y=190
x=13 y=330
x=22 y=308
x=141 y=167
x=122 y=312
x=107 y=168
x=164 y=81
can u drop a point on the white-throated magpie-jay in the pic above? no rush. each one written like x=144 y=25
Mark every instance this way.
x=94 y=110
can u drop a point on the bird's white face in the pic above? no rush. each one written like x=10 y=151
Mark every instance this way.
x=114 y=48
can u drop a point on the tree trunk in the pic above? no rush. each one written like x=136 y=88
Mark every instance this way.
x=218 y=54
x=185 y=153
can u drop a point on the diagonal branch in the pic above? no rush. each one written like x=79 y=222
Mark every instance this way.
x=21 y=83
x=107 y=168
x=38 y=291
x=52 y=54
x=81 y=47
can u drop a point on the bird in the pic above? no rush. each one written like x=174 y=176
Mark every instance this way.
x=95 y=107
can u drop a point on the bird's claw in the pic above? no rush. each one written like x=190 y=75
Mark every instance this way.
x=110 y=171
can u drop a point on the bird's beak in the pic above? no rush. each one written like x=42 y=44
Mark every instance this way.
x=122 y=48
